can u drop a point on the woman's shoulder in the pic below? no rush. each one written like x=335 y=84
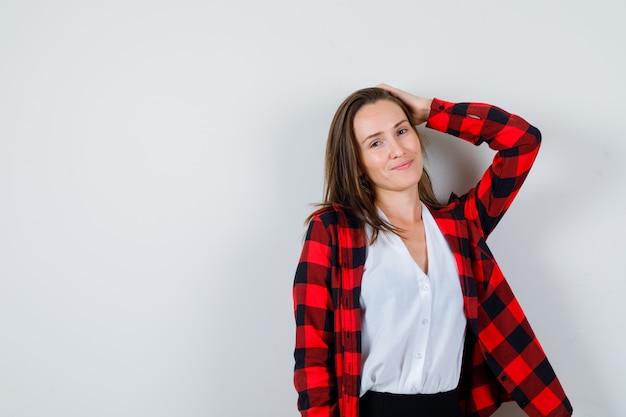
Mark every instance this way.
x=335 y=215
x=327 y=214
x=453 y=203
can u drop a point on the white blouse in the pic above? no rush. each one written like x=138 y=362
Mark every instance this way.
x=413 y=323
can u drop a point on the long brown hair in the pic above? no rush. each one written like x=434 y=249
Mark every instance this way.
x=346 y=183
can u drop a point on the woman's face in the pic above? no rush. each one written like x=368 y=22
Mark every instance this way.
x=390 y=148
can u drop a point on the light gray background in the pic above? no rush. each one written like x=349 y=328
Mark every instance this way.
x=158 y=158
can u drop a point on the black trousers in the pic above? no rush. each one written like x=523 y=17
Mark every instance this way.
x=384 y=404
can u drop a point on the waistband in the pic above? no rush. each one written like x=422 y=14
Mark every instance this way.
x=379 y=404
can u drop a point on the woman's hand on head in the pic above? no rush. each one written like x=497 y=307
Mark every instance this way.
x=419 y=106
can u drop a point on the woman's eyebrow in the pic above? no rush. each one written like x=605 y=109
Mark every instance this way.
x=378 y=133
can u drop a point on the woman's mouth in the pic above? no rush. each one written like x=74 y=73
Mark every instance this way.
x=403 y=165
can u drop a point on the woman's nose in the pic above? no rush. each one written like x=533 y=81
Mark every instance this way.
x=395 y=149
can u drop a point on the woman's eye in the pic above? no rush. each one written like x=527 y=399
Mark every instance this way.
x=402 y=131
x=375 y=144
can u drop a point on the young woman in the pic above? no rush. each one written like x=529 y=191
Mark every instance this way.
x=401 y=309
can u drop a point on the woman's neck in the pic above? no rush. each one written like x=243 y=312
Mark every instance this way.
x=401 y=208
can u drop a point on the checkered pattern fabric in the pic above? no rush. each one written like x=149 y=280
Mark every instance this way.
x=503 y=360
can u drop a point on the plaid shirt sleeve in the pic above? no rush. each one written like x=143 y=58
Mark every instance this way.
x=505 y=354
x=314 y=376
x=516 y=142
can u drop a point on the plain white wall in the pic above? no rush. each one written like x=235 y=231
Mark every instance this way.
x=158 y=158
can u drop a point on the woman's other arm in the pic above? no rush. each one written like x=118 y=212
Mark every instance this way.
x=314 y=374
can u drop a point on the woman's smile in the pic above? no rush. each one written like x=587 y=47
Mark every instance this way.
x=402 y=166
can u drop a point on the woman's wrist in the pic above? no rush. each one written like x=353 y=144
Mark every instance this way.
x=423 y=112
